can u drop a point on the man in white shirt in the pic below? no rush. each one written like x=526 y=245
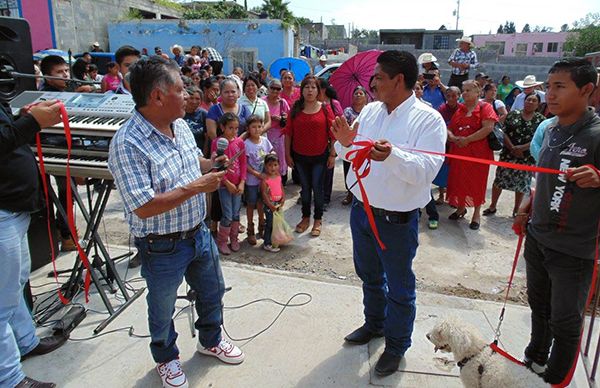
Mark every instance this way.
x=529 y=85
x=397 y=186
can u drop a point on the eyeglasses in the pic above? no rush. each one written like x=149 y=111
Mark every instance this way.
x=273 y=88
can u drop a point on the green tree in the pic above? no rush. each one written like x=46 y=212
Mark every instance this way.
x=500 y=29
x=526 y=28
x=509 y=28
x=564 y=28
x=220 y=10
x=591 y=19
x=583 y=40
x=278 y=9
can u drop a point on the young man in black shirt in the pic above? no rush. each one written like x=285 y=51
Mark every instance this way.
x=562 y=234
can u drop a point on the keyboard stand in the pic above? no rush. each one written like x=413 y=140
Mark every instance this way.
x=101 y=258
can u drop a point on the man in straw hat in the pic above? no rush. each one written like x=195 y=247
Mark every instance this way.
x=177 y=51
x=462 y=60
x=528 y=85
x=322 y=63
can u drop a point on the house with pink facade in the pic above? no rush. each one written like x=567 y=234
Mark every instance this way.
x=522 y=44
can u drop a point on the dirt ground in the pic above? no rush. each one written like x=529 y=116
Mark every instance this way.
x=452 y=260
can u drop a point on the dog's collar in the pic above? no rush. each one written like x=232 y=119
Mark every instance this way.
x=464 y=361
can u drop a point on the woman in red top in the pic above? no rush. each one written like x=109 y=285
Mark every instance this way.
x=309 y=147
x=467 y=133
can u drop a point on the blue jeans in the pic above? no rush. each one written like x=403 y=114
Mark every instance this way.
x=311 y=170
x=164 y=265
x=557 y=287
x=17 y=333
x=389 y=286
x=230 y=206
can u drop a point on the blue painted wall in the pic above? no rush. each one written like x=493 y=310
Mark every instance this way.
x=265 y=37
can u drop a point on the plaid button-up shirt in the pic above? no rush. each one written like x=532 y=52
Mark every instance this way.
x=145 y=162
x=460 y=56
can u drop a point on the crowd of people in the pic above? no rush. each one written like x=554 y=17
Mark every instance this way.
x=245 y=136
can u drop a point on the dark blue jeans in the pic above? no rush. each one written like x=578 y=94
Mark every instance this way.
x=311 y=170
x=389 y=286
x=268 y=226
x=164 y=265
x=557 y=288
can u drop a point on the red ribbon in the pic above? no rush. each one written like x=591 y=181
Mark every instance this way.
x=69 y=209
x=357 y=157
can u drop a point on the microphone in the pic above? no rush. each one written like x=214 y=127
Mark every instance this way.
x=222 y=145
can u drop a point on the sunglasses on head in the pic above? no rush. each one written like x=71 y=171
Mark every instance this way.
x=274 y=88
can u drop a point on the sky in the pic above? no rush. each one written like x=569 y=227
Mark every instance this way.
x=476 y=17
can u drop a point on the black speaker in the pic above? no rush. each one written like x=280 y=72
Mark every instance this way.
x=15 y=51
x=39 y=241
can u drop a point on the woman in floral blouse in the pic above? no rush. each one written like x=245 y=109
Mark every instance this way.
x=519 y=128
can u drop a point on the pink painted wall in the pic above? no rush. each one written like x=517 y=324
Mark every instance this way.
x=529 y=38
x=36 y=12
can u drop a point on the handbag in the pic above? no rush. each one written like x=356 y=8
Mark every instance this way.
x=282 y=120
x=496 y=137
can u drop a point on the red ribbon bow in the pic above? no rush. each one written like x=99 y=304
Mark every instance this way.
x=357 y=158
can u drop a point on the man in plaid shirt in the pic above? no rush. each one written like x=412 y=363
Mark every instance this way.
x=462 y=60
x=158 y=170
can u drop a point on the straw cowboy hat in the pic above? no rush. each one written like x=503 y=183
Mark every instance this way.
x=528 y=82
x=426 y=58
x=177 y=46
x=323 y=58
x=466 y=39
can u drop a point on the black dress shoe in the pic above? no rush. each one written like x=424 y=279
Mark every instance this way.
x=387 y=364
x=474 y=225
x=31 y=383
x=46 y=345
x=361 y=336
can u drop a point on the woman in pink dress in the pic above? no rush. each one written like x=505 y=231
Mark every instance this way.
x=290 y=92
x=279 y=110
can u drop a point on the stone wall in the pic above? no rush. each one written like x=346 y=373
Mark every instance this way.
x=79 y=23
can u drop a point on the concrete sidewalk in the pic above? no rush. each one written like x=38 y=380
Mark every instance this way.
x=303 y=348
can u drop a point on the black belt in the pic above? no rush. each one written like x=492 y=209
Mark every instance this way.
x=394 y=216
x=175 y=235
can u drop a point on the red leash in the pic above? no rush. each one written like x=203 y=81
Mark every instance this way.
x=69 y=209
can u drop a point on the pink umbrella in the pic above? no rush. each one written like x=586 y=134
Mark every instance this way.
x=354 y=72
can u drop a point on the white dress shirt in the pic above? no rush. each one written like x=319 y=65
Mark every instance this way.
x=402 y=182
x=519 y=102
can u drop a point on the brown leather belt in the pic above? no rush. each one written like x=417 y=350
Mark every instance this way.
x=175 y=235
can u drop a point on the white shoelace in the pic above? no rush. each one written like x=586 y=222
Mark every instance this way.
x=172 y=368
x=226 y=346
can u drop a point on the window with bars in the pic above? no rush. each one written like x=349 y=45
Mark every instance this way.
x=552 y=47
x=441 y=42
x=246 y=59
x=9 y=8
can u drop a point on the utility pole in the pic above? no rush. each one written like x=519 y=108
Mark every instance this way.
x=457 y=12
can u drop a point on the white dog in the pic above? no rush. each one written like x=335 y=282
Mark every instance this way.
x=480 y=367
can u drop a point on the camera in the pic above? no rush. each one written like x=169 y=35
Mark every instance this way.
x=428 y=76
x=282 y=122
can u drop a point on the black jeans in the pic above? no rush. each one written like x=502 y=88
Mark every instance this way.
x=557 y=288
x=61 y=223
x=431 y=210
x=311 y=170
